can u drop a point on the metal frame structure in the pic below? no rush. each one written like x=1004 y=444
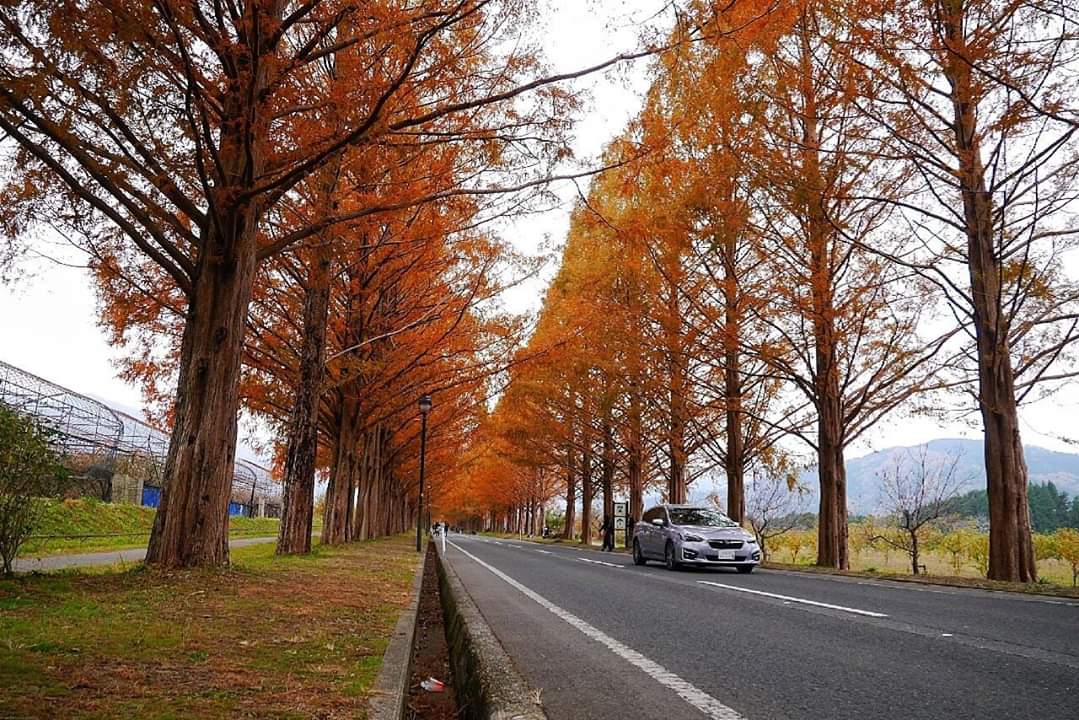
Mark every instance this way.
x=93 y=438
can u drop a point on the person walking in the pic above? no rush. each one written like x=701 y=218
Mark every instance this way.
x=607 y=528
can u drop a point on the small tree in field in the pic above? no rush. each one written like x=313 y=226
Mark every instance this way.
x=774 y=503
x=956 y=544
x=799 y=542
x=28 y=469
x=917 y=493
x=1066 y=547
x=1045 y=546
x=978 y=552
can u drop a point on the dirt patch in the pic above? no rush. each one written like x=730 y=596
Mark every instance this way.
x=431 y=657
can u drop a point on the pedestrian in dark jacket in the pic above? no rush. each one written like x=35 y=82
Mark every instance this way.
x=607 y=529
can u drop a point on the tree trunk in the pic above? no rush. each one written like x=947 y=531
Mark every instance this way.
x=1011 y=549
x=586 y=495
x=676 y=369
x=914 y=552
x=335 y=523
x=636 y=469
x=608 y=471
x=832 y=522
x=297 y=507
x=191 y=524
x=571 y=494
x=734 y=460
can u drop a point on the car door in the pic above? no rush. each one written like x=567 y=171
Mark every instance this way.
x=663 y=533
x=656 y=536
x=644 y=530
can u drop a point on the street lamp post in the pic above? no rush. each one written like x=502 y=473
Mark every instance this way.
x=425 y=407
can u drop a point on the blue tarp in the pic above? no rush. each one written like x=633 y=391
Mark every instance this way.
x=151 y=496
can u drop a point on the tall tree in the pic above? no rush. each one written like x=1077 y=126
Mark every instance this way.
x=156 y=133
x=980 y=97
x=846 y=322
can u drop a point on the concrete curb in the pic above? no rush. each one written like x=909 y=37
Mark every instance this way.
x=389 y=692
x=488 y=686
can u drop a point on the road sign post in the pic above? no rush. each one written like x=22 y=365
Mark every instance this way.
x=620 y=509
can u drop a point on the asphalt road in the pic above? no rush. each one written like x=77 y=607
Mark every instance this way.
x=618 y=641
x=110 y=557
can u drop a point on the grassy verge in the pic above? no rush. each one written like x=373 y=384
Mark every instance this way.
x=86 y=526
x=292 y=637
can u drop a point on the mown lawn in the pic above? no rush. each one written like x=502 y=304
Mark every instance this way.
x=270 y=637
x=85 y=526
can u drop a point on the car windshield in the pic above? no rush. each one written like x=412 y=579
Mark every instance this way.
x=700 y=516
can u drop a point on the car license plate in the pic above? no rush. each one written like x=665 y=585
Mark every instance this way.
x=725 y=555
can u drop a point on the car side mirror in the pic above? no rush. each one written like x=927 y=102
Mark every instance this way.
x=659 y=522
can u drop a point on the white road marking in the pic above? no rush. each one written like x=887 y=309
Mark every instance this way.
x=690 y=693
x=599 y=562
x=496 y=542
x=856 y=611
x=545 y=552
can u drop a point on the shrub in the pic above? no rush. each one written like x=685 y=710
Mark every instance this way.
x=978 y=551
x=800 y=543
x=1045 y=546
x=957 y=544
x=28 y=469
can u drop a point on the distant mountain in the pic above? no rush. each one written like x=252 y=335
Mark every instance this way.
x=863 y=481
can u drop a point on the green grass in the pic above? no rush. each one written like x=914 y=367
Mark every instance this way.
x=87 y=525
x=273 y=637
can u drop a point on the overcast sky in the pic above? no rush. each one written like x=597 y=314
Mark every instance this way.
x=48 y=321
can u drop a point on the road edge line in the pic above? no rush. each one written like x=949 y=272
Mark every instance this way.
x=693 y=695
x=486 y=679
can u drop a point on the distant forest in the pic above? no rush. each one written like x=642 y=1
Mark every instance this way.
x=1050 y=508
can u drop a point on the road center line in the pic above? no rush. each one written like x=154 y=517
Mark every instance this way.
x=599 y=562
x=856 y=611
x=545 y=552
x=690 y=693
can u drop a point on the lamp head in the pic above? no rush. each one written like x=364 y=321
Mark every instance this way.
x=425 y=404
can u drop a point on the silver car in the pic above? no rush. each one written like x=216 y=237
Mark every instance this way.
x=693 y=535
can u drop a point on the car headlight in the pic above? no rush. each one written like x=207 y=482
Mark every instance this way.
x=690 y=537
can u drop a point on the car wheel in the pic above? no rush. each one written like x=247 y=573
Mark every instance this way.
x=638 y=556
x=746 y=569
x=668 y=557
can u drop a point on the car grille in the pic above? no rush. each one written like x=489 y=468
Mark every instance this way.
x=725 y=543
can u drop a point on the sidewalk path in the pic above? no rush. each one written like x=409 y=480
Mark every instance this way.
x=133 y=555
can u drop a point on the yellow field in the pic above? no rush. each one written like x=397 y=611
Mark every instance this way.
x=880 y=559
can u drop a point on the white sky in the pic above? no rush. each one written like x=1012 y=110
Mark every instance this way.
x=48 y=321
